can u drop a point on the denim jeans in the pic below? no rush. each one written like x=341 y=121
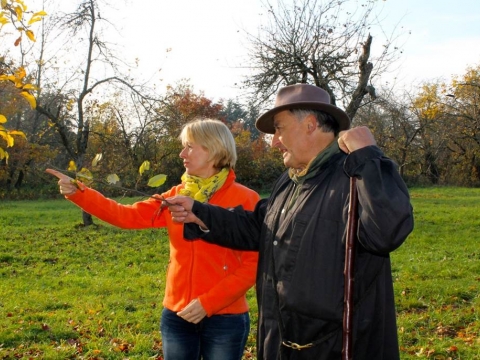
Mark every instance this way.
x=219 y=337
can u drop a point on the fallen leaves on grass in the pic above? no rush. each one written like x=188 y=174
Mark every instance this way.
x=120 y=345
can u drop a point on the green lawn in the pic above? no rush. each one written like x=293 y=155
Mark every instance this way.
x=67 y=292
x=437 y=276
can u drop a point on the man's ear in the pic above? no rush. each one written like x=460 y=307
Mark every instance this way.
x=311 y=123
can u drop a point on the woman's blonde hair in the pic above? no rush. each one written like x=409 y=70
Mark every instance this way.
x=215 y=137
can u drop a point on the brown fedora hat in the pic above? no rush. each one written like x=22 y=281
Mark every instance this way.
x=301 y=96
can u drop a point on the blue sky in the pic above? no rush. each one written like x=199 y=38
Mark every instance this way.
x=207 y=44
x=445 y=37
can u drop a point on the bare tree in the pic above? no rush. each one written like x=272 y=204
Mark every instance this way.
x=396 y=129
x=460 y=102
x=323 y=43
x=98 y=72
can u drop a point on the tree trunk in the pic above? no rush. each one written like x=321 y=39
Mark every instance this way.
x=362 y=88
x=18 y=183
x=87 y=219
x=432 y=169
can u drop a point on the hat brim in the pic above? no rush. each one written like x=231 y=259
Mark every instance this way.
x=264 y=123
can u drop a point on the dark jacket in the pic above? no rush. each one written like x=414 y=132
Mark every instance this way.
x=300 y=273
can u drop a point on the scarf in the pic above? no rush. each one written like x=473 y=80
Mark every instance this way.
x=201 y=189
x=311 y=169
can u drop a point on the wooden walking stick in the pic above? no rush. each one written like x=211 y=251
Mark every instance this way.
x=347 y=351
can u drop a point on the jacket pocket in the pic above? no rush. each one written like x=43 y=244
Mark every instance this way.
x=286 y=246
x=313 y=279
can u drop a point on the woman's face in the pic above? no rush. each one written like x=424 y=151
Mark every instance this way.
x=196 y=160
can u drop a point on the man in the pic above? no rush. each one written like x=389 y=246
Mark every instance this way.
x=300 y=233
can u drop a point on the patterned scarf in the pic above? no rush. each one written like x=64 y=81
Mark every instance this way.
x=202 y=189
x=315 y=164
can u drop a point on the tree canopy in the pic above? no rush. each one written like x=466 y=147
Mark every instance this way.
x=323 y=43
x=87 y=102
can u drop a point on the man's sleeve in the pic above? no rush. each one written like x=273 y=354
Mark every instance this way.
x=385 y=212
x=234 y=228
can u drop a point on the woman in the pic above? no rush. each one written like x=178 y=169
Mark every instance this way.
x=205 y=311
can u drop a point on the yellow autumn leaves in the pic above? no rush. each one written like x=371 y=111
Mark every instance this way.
x=17 y=80
x=8 y=136
x=155 y=181
x=17 y=9
x=12 y=11
x=86 y=177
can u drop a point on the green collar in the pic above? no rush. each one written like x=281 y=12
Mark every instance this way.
x=314 y=166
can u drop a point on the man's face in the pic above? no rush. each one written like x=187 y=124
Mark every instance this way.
x=289 y=138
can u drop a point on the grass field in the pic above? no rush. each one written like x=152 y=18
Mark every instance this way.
x=67 y=292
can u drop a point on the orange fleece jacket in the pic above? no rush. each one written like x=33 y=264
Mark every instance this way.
x=219 y=277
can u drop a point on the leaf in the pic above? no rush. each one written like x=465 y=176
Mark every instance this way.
x=3 y=20
x=112 y=179
x=85 y=176
x=34 y=20
x=40 y=13
x=7 y=135
x=97 y=159
x=7 y=77
x=30 y=35
x=24 y=7
x=3 y=119
x=20 y=73
x=144 y=167
x=10 y=140
x=29 y=87
x=78 y=184
x=30 y=98
x=19 y=12
x=37 y=17
x=4 y=155
x=157 y=180
x=72 y=166
x=452 y=348
x=17 y=132
x=3 y=133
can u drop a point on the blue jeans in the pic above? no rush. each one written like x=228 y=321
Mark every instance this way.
x=219 y=337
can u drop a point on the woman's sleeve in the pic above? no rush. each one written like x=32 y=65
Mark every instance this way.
x=140 y=215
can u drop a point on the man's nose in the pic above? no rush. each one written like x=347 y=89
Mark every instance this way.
x=274 y=142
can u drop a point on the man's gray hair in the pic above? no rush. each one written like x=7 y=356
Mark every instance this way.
x=324 y=120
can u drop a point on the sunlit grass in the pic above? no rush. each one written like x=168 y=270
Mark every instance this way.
x=437 y=276
x=71 y=292
x=67 y=292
